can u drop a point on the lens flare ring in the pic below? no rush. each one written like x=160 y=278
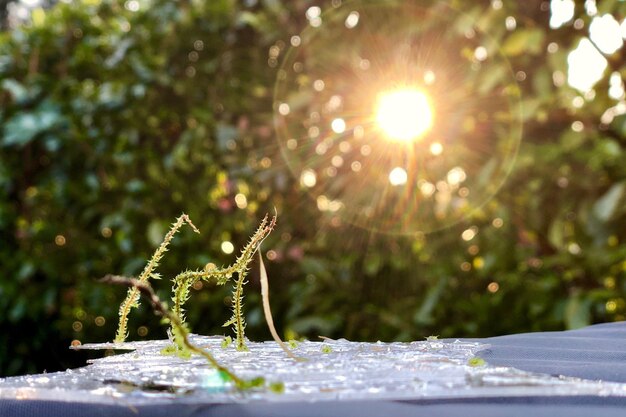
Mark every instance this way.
x=389 y=118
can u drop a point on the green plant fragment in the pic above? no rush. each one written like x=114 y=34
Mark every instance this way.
x=476 y=362
x=277 y=387
x=227 y=341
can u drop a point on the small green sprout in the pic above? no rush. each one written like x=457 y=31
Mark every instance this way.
x=293 y=344
x=183 y=354
x=227 y=341
x=432 y=338
x=257 y=382
x=326 y=349
x=169 y=350
x=277 y=387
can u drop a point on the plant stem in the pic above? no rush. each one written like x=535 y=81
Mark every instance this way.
x=132 y=298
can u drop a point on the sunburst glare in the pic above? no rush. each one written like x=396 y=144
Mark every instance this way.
x=389 y=116
x=405 y=114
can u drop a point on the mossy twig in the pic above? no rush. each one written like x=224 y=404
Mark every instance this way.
x=132 y=298
x=181 y=330
x=221 y=276
x=183 y=282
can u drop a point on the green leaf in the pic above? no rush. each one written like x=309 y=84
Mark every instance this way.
x=18 y=91
x=156 y=231
x=607 y=206
x=529 y=108
x=492 y=78
x=424 y=314
x=555 y=234
x=542 y=83
x=225 y=133
x=606 y=6
x=609 y=148
x=38 y=17
x=249 y=18
x=372 y=264
x=577 y=312
x=25 y=126
x=524 y=41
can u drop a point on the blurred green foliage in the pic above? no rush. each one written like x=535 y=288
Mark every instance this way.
x=114 y=122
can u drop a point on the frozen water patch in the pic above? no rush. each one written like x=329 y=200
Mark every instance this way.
x=333 y=370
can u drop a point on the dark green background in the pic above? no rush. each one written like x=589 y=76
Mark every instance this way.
x=110 y=129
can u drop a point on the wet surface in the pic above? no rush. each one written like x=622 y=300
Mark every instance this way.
x=333 y=370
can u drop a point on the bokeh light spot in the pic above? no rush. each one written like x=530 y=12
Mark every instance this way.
x=352 y=20
x=586 y=66
x=611 y=306
x=429 y=77
x=468 y=234
x=606 y=34
x=436 y=148
x=227 y=247
x=241 y=200
x=338 y=125
x=283 y=109
x=480 y=53
x=561 y=12
x=493 y=287
x=308 y=178
x=398 y=176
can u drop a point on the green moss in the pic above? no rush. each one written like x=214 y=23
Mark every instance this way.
x=276 y=387
x=179 y=331
x=227 y=341
x=183 y=281
x=169 y=350
x=476 y=362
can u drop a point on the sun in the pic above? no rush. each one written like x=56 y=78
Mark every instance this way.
x=404 y=115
